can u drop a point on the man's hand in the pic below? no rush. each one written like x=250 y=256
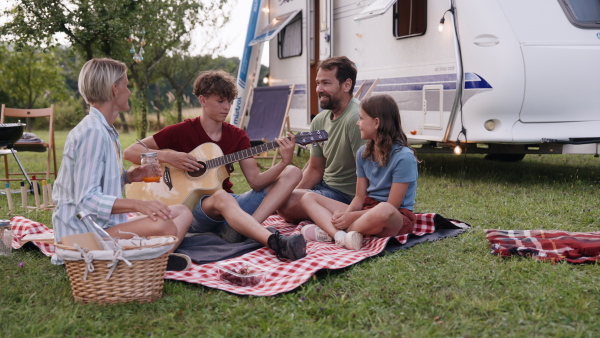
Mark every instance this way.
x=287 y=146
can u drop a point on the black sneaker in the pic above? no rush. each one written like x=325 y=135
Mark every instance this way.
x=178 y=262
x=227 y=233
x=290 y=247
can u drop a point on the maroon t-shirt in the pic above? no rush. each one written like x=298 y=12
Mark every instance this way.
x=188 y=135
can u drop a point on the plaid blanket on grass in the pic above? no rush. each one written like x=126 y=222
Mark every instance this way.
x=546 y=245
x=287 y=275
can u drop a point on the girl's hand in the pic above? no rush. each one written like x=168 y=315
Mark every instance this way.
x=342 y=220
x=155 y=209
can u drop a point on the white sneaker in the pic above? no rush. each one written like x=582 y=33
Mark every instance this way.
x=313 y=233
x=352 y=240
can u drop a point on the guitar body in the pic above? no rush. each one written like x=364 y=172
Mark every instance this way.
x=186 y=187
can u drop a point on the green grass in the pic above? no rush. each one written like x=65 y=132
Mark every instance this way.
x=453 y=287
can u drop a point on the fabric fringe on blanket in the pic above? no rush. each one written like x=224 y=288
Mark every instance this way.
x=546 y=245
x=285 y=276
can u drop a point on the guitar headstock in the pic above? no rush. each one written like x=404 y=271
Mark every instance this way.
x=307 y=137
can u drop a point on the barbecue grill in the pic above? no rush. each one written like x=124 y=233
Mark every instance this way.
x=9 y=134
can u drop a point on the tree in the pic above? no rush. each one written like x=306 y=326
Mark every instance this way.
x=102 y=28
x=181 y=70
x=30 y=75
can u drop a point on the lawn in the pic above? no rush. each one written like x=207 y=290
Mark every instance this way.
x=453 y=287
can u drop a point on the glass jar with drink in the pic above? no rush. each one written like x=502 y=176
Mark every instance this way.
x=150 y=159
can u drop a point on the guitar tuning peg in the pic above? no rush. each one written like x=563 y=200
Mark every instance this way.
x=314 y=144
x=322 y=143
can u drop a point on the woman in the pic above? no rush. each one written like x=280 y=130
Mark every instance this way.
x=91 y=176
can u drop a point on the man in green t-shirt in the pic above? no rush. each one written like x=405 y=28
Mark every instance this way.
x=331 y=170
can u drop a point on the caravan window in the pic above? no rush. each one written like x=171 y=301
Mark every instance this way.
x=289 y=40
x=410 y=18
x=582 y=13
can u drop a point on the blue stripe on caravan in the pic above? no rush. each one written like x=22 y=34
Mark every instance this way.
x=416 y=83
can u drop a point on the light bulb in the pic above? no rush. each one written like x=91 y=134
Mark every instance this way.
x=457 y=150
x=441 y=26
x=265 y=80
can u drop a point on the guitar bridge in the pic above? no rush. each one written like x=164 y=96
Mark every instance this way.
x=167 y=178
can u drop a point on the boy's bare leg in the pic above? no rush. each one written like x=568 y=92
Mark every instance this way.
x=222 y=205
x=277 y=193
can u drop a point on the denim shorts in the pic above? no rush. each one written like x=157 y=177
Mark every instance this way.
x=248 y=201
x=327 y=191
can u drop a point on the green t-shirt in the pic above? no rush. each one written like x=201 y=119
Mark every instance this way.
x=341 y=147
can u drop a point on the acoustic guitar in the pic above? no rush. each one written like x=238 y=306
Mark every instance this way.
x=183 y=187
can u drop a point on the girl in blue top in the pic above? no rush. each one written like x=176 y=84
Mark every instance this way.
x=386 y=168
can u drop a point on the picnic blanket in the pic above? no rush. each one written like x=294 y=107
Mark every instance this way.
x=546 y=245
x=285 y=276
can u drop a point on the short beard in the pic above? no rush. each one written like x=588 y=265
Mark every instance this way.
x=331 y=104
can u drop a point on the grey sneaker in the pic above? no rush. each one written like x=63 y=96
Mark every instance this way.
x=352 y=240
x=313 y=233
x=290 y=247
x=229 y=234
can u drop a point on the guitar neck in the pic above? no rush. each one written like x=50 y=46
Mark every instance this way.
x=240 y=155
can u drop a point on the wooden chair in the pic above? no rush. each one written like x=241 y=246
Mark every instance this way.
x=33 y=144
x=366 y=88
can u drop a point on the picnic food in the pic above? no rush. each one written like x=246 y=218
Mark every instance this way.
x=245 y=275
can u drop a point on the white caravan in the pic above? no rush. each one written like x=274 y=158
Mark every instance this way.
x=502 y=77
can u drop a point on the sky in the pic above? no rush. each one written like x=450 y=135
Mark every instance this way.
x=235 y=30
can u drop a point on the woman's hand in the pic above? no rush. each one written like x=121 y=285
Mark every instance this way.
x=149 y=170
x=342 y=220
x=155 y=209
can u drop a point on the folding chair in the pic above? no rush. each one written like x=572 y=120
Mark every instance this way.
x=365 y=89
x=269 y=115
x=30 y=142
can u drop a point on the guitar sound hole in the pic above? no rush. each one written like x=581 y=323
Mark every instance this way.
x=200 y=172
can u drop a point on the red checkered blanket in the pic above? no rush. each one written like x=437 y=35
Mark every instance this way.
x=284 y=275
x=546 y=245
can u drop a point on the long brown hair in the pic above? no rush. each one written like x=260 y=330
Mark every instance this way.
x=389 y=132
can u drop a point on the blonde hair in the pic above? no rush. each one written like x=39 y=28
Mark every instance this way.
x=97 y=77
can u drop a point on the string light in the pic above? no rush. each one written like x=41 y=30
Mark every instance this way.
x=443 y=19
x=457 y=148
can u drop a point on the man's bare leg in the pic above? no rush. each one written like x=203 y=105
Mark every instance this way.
x=292 y=211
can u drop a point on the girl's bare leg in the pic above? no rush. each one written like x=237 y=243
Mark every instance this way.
x=320 y=209
x=383 y=220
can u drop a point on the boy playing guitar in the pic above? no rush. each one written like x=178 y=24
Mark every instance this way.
x=214 y=213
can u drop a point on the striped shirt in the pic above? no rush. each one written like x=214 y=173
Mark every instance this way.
x=89 y=176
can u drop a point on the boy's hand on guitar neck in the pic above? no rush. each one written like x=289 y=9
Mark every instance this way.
x=183 y=161
x=287 y=145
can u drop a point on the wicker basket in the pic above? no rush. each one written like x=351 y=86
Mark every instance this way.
x=142 y=281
